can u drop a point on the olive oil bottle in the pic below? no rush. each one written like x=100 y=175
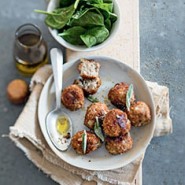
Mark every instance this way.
x=30 y=49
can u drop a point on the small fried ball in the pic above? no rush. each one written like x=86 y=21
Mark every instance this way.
x=119 y=145
x=72 y=97
x=95 y=110
x=93 y=142
x=17 y=91
x=117 y=95
x=116 y=123
x=139 y=114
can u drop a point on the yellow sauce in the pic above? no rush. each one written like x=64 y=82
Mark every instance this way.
x=62 y=125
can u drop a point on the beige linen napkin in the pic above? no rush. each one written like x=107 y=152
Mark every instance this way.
x=27 y=136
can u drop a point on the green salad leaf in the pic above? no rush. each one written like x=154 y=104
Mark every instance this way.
x=72 y=35
x=60 y=16
x=88 y=19
x=95 y=36
x=64 y=3
x=82 y=22
x=104 y=6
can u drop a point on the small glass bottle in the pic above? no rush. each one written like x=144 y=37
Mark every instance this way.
x=30 y=49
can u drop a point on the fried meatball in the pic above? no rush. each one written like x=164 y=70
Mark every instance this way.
x=72 y=97
x=119 y=145
x=117 y=95
x=93 y=142
x=139 y=114
x=88 y=69
x=95 y=110
x=116 y=123
x=89 y=86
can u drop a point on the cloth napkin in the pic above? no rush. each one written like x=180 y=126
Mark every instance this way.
x=27 y=136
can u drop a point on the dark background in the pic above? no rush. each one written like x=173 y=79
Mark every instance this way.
x=162 y=39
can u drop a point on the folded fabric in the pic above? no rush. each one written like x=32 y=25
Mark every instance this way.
x=27 y=136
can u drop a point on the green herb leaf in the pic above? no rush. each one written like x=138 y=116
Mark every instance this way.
x=60 y=16
x=129 y=96
x=92 y=99
x=89 y=19
x=84 y=141
x=104 y=6
x=95 y=36
x=72 y=35
x=98 y=130
x=64 y=3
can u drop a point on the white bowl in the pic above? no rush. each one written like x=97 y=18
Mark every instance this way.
x=55 y=3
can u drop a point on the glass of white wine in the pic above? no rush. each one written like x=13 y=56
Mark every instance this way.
x=30 y=49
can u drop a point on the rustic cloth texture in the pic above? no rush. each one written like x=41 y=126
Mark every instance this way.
x=27 y=136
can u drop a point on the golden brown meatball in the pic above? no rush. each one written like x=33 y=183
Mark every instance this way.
x=139 y=114
x=93 y=142
x=95 y=110
x=119 y=145
x=73 y=97
x=117 y=95
x=116 y=123
x=89 y=86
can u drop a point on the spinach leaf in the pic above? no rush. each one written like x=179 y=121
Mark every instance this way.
x=95 y=36
x=108 y=24
x=81 y=12
x=72 y=35
x=60 y=16
x=104 y=6
x=107 y=1
x=64 y=3
x=93 y=1
x=89 y=19
x=113 y=17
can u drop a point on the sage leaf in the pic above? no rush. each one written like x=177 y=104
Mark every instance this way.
x=129 y=96
x=84 y=141
x=98 y=130
x=92 y=99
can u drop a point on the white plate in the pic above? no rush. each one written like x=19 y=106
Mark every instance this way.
x=111 y=72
